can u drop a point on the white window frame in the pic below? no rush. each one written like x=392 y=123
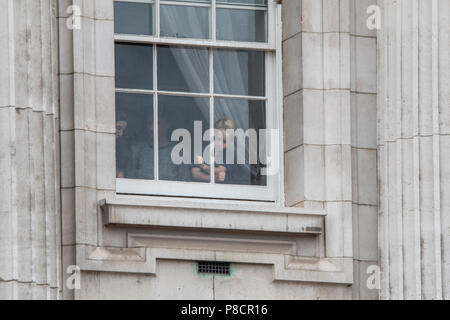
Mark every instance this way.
x=273 y=191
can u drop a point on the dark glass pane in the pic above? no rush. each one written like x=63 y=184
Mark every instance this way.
x=241 y=25
x=239 y=72
x=133 y=18
x=183 y=69
x=240 y=153
x=134 y=66
x=185 y=22
x=194 y=1
x=184 y=120
x=245 y=2
x=134 y=136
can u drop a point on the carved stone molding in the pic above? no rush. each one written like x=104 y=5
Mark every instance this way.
x=212 y=216
x=286 y=267
x=260 y=235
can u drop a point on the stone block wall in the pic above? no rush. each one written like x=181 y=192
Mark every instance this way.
x=330 y=87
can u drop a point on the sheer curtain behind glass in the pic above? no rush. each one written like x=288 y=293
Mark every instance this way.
x=183 y=92
x=181 y=21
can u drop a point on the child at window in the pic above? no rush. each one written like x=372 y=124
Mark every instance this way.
x=223 y=136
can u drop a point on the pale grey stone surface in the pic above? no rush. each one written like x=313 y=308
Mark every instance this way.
x=177 y=280
x=413 y=110
x=336 y=109
x=29 y=161
x=342 y=124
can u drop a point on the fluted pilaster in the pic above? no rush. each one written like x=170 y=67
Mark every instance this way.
x=414 y=148
x=29 y=151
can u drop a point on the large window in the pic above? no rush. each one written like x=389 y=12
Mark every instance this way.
x=196 y=106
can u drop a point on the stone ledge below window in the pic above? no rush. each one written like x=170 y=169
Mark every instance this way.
x=212 y=230
x=144 y=261
x=211 y=215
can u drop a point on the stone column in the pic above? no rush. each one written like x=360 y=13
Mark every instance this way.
x=29 y=151
x=414 y=148
x=329 y=61
x=316 y=73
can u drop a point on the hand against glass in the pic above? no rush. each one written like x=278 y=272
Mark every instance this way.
x=219 y=172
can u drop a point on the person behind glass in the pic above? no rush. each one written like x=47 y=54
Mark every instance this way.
x=224 y=135
x=142 y=153
x=122 y=146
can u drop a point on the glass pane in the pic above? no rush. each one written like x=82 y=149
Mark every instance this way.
x=134 y=66
x=248 y=2
x=133 y=18
x=239 y=72
x=241 y=25
x=193 y=1
x=238 y=141
x=134 y=136
x=183 y=69
x=185 y=22
x=181 y=125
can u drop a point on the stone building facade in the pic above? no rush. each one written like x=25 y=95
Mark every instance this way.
x=361 y=211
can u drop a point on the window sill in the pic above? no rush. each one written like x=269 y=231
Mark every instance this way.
x=211 y=215
x=145 y=248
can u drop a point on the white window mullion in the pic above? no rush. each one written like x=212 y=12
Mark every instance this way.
x=271 y=23
x=213 y=20
x=136 y=1
x=278 y=61
x=192 y=94
x=211 y=113
x=185 y=4
x=269 y=112
x=155 y=114
x=241 y=7
x=157 y=19
x=137 y=91
x=234 y=96
x=184 y=94
x=205 y=43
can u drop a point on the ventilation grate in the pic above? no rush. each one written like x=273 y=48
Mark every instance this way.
x=222 y=268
